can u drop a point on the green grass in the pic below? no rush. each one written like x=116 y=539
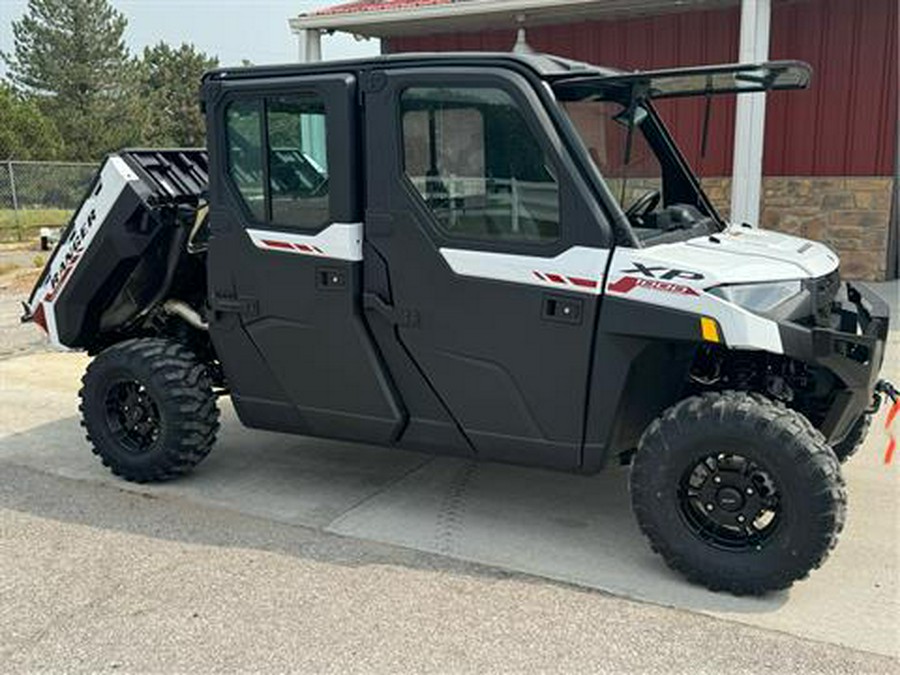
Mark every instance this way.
x=29 y=222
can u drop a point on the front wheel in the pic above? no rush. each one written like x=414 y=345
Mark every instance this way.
x=737 y=493
x=149 y=410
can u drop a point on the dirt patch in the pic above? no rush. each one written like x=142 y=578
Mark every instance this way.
x=20 y=266
x=18 y=281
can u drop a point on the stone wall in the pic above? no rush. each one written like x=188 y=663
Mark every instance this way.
x=850 y=214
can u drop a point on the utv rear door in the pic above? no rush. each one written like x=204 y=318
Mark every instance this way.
x=285 y=257
x=484 y=259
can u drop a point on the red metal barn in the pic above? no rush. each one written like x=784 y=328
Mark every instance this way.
x=825 y=164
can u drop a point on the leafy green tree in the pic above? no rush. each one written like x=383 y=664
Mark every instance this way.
x=168 y=88
x=25 y=132
x=69 y=55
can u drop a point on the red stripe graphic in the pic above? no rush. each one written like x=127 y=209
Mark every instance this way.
x=288 y=246
x=273 y=243
x=560 y=279
x=623 y=285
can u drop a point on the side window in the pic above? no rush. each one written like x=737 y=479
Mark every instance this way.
x=245 y=153
x=284 y=180
x=298 y=165
x=477 y=165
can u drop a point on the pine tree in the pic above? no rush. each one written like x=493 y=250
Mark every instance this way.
x=169 y=86
x=70 y=57
x=25 y=133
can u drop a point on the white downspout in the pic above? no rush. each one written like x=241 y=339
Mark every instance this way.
x=750 y=118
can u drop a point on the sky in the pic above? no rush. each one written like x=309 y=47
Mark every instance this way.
x=233 y=30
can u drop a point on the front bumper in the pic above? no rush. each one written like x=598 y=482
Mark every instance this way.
x=852 y=348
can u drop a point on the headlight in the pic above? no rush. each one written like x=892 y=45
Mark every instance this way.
x=759 y=298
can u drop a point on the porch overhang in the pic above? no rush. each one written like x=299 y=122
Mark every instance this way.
x=385 y=19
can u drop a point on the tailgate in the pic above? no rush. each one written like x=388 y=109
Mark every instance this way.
x=125 y=212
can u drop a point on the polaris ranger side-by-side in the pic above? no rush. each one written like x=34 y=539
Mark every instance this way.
x=496 y=256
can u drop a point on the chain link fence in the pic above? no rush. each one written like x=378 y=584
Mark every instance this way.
x=40 y=194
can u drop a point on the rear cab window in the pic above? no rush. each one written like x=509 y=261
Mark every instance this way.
x=278 y=160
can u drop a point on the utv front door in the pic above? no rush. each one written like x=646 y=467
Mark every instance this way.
x=285 y=258
x=484 y=260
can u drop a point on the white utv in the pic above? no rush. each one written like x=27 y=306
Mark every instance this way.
x=502 y=257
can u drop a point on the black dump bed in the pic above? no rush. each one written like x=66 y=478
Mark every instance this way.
x=118 y=255
x=177 y=176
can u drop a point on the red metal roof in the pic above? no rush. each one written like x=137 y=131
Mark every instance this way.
x=360 y=6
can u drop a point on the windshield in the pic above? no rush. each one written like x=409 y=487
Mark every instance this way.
x=638 y=162
x=604 y=129
x=635 y=155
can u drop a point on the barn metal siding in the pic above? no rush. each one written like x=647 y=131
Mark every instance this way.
x=687 y=38
x=845 y=125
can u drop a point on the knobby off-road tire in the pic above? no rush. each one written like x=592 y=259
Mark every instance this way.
x=149 y=410
x=713 y=459
x=855 y=437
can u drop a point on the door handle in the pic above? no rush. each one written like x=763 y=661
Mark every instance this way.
x=373 y=301
x=330 y=278
x=562 y=309
x=405 y=318
x=225 y=304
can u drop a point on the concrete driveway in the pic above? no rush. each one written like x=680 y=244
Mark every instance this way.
x=260 y=490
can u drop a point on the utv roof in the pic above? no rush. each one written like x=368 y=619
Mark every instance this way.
x=707 y=80
x=546 y=66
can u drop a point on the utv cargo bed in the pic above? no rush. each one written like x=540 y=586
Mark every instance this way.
x=117 y=255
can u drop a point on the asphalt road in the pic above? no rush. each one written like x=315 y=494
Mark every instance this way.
x=100 y=579
x=273 y=557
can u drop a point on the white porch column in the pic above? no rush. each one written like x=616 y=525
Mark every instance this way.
x=750 y=119
x=309 y=45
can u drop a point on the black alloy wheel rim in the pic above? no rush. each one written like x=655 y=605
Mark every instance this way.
x=132 y=416
x=730 y=502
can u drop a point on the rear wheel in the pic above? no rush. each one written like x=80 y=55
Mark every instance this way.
x=854 y=438
x=737 y=493
x=149 y=409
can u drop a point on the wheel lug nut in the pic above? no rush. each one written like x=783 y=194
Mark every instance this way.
x=741 y=519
